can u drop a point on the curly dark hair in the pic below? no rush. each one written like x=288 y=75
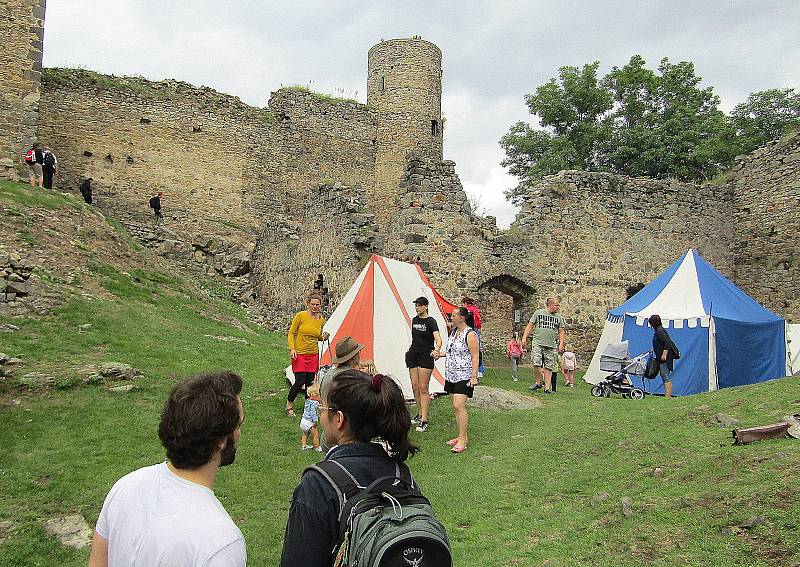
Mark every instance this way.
x=372 y=411
x=199 y=413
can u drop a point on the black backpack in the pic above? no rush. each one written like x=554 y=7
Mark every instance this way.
x=49 y=159
x=155 y=203
x=386 y=524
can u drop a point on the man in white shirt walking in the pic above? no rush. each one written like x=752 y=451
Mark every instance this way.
x=167 y=514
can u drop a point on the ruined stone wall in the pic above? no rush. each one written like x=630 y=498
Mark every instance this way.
x=766 y=186
x=208 y=152
x=590 y=235
x=320 y=141
x=22 y=33
x=333 y=236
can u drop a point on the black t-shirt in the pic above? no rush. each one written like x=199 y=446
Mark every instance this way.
x=422 y=333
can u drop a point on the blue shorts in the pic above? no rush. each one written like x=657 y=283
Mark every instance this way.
x=664 y=372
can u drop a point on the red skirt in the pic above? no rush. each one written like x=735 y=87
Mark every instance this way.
x=305 y=363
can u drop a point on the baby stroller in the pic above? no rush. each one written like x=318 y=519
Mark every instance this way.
x=614 y=359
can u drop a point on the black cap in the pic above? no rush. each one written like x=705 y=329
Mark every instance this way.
x=421 y=300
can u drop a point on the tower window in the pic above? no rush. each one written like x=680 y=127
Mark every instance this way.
x=382 y=84
x=434 y=127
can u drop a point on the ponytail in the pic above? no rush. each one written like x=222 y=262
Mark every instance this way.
x=374 y=407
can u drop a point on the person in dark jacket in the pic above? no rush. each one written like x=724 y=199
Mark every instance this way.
x=664 y=351
x=355 y=409
x=86 y=190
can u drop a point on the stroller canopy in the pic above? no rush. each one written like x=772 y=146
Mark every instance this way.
x=725 y=337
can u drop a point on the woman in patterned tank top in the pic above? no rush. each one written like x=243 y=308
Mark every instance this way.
x=461 y=372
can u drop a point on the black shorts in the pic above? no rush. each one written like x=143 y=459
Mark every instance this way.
x=462 y=387
x=419 y=359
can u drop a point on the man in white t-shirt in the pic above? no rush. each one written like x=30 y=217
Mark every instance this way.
x=167 y=514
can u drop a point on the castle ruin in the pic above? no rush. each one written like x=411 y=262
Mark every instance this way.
x=311 y=186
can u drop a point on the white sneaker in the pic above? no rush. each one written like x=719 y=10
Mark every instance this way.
x=318 y=449
x=305 y=447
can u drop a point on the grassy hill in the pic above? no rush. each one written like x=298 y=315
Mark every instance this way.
x=536 y=487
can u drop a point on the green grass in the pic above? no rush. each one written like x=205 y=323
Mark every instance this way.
x=525 y=492
x=27 y=196
x=319 y=96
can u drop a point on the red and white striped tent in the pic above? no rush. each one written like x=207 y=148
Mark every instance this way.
x=377 y=311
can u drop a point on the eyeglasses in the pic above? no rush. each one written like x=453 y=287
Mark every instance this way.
x=320 y=408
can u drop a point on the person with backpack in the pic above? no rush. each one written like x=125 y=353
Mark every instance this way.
x=34 y=158
x=361 y=505
x=665 y=352
x=462 y=360
x=49 y=167
x=155 y=204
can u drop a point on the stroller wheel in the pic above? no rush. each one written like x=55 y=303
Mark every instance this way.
x=597 y=391
x=637 y=394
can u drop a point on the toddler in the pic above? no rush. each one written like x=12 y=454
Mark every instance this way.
x=569 y=362
x=368 y=367
x=308 y=423
x=514 y=352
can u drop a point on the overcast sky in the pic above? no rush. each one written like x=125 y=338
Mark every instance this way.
x=494 y=52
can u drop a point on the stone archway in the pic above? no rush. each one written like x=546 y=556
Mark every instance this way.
x=500 y=298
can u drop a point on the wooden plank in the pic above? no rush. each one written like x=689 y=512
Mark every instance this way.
x=750 y=434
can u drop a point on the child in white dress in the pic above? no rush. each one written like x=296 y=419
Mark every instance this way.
x=569 y=363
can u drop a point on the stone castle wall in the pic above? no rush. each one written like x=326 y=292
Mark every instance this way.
x=591 y=235
x=766 y=222
x=22 y=30
x=135 y=137
x=319 y=141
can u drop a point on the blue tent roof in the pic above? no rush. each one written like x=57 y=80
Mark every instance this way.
x=718 y=296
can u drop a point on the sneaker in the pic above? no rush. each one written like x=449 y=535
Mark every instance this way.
x=305 y=447
x=415 y=420
x=572 y=385
x=549 y=392
x=422 y=427
x=318 y=449
x=516 y=379
x=480 y=375
x=535 y=387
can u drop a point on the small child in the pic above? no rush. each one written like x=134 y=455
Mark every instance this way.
x=308 y=423
x=514 y=352
x=569 y=362
x=368 y=367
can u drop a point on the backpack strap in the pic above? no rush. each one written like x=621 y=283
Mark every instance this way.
x=340 y=478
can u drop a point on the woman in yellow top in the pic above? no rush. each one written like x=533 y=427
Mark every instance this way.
x=304 y=334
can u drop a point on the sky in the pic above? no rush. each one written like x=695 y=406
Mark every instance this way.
x=493 y=52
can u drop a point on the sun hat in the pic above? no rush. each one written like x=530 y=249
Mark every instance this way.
x=346 y=348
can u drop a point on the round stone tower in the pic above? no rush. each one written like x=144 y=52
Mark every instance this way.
x=404 y=89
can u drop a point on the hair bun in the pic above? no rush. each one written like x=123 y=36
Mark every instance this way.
x=376 y=383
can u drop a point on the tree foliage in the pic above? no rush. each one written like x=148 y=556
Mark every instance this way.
x=636 y=121
x=764 y=116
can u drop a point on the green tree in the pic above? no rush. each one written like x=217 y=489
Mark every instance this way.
x=635 y=121
x=665 y=125
x=764 y=116
x=572 y=112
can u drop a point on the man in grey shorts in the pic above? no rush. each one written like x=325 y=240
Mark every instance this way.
x=547 y=327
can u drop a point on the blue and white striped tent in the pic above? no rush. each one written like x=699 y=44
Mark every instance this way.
x=725 y=337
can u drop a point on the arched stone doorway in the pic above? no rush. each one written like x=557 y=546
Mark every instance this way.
x=505 y=301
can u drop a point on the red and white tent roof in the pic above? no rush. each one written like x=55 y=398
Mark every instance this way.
x=377 y=311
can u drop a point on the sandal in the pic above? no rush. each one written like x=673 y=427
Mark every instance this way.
x=459 y=448
x=290 y=412
x=453 y=441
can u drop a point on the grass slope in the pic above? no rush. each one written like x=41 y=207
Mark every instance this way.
x=539 y=487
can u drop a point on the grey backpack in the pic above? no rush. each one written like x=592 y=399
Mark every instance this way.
x=386 y=524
